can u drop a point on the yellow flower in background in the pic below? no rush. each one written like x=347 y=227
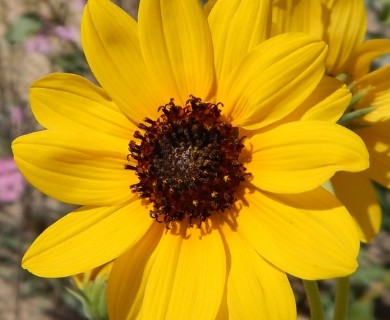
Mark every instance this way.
x=90 y=289
x=190 y=166
x=100 y=273
x=342 y=24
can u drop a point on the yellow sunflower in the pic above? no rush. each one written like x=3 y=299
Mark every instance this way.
x=189 y=165
x=342 y=24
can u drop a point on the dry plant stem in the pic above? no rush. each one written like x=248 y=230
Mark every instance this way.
x=341 y=303
x=313 y=295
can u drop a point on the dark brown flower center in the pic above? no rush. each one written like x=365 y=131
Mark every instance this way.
x=187 y=162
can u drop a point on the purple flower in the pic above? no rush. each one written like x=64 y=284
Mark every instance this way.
x=38 y=43
x=16 y=115
x=12 y=183
x=67 y=33
x=77 y=5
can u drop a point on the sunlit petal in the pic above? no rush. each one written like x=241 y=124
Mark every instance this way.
x=124 y=301
x=365 y=53
x=377 y=140
x=111 y=45
x=309 y=235
x=185 y=271
x=266 y=294
x=75 y=168
x=264 y=88
x=297 y=16
x=376 y=89
x=328 y=102
x=69 y=102
x=69 y=246
x=347 y=28
x=306 y=151
x=176 y=44
x=237 y=27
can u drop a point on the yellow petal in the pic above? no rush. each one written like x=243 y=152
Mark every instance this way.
x=176 y=44
x=255 y=288
x=366 y=52
x=377 y=86
x=188 y=274
x=377 y=139
x=237 y=27
x=273 y=80
x=328 y=3
x=300 y=156
x=358 y=195
x=328 y=102
x=347 y=29
x=86 y=238
x=124 y=301
x=75 y=168
x=70 y=102
x=183 y=277
x=381 y=103
x=208 y=6
x=309 y=235
x=111 y=46
x=297 y=16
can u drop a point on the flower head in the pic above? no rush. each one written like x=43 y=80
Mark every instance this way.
x=190 y=165
x=342 y=24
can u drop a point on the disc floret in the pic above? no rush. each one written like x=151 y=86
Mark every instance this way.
x=187 y=162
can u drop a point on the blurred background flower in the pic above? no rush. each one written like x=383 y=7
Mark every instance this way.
x=37 y=43
x=12 y=182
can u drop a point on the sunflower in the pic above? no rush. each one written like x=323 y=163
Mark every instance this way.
x=190 y=169
x=342 y=24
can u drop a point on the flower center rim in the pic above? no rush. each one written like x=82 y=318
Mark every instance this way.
x=187 y=162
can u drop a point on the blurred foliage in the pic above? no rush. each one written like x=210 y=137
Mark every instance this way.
x=93 y=298
x=22 y=27
x=384 y=12
x=72 y=62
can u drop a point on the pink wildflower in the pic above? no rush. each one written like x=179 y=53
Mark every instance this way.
x=12 y=183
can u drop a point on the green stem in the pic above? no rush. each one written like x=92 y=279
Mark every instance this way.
x=341 y=304
x=313 y=295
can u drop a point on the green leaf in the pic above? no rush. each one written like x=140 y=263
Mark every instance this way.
x=23 y=27
x=361 y=310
